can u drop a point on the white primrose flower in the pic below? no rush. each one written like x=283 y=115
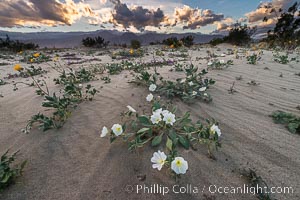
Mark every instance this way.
x=158 y=111
x=158 y=160
x=152 y=87
x=117 y=129
x=182 y=80
x=214 y=129
x=149 y=97
x=222 y=61
x=104 y=132
x=169 y=118
x=164 y=112
x=179 y=165
x=223 y=55
x=155 y=118
x=80 y=85
x=202 y=89
x=205 y=94
x=194 y=93
x=131 y=109
x=191 y=83
x=209 y=63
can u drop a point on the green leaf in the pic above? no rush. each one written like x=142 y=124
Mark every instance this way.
x=169 y=144
x=143 y=130
x=144 y=120
x=293 y=127
x=157 y=140
x=184 y=142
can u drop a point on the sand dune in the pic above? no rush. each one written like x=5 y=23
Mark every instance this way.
x=75 y=163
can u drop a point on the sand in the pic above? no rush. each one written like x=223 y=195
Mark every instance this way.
x=75 y=163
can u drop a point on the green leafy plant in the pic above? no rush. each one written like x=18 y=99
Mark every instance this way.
x=161 y=127
x=282 y=59
x=78 y=76
x=189 y=88
x=291 y=121
x=9 y=173
x=219 y=64
x=2 y=82
x=253 y=59
x=256 y=181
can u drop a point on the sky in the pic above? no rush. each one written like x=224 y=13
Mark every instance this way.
x=164 y=16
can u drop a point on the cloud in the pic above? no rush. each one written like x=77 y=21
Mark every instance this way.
x=47 y=12
x=136 y=16
x=194 y=18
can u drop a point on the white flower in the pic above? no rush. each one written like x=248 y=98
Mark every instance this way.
x=223 y=55
x=159 y=159
x=158 y=111
x=194 y=93
x=190 y=76
x=104 y=132
x=215 y=129
x=222 y=61
x=131 y=109
x=117 y=129
x=165 y=112
x=182 y=81
x=179 y=165
x=152 y=87
x=169 y=118
x=209 y=63
x=191 y=83
x=205 y=94
x=149 y=97
x=80 y=85
x=202 y=89
x=155 y=118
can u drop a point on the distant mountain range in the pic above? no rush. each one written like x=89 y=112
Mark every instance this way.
x=73 y=39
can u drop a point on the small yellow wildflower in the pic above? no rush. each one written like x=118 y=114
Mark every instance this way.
x=36 y=55
x=131 y=51
x=20 y=52
x=18 y=67
x=172 y=46
x=55 y=58
x=31 y=60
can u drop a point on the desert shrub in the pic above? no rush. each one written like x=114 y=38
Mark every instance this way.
x=8 y=173
x=135 y=44
x=286 y=31
x=172 y=42
x=291 y=121
x=239 y=35
x=216 y=41
x=188 y=41
x=16 y=45
x=162 y=127
x=97 y=42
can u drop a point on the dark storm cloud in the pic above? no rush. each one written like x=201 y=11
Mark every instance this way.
x=47 y=12
x=137 y=17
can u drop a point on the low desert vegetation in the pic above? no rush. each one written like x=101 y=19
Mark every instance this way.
x=9 y=171
x=16 y=45
x=291 y=121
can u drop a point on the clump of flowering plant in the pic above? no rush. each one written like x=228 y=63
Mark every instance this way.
x=191 y=87
x=161 y=126
x=219 y=64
